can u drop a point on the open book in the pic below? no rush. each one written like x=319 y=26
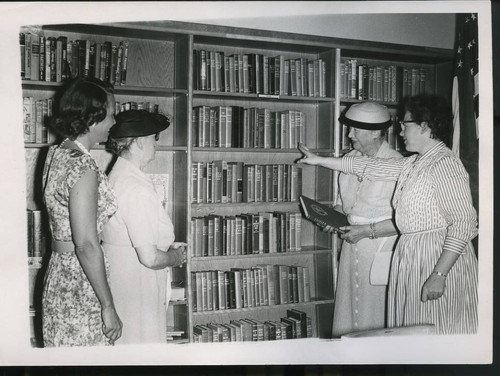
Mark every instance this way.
x=322 y=215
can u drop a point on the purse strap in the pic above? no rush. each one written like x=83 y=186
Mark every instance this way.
x=382 y=243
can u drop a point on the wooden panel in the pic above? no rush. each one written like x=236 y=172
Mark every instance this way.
x=325 y=128
x=151 y=64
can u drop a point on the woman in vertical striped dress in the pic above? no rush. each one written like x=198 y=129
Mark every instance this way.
x=434 y=268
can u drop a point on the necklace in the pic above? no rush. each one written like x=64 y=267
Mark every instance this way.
x=77 y=143
x=82 y=148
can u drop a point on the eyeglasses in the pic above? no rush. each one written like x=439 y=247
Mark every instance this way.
x=403 y=123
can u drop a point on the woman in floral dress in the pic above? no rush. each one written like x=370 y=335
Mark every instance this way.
x=78 y=308
x=434 y=269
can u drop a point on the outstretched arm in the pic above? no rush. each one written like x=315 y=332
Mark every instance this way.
x=312 y=159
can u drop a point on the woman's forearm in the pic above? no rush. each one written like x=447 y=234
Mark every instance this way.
x=384 y=228
x=91 y=259
x=156 y=259
x=446 y=262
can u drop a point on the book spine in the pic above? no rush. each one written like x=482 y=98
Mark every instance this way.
x=41 y=65
x=35 y=57
x=22 y=50
x=27 y=56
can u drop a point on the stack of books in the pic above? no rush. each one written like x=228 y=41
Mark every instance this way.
x=238 y=127
x=262 y=285
x=258 y=74
x=57 y=59
x=246 y=234
x=387 y=83
x=296 y=324
x=232 y=182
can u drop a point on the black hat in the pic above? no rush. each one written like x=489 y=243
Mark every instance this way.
x=367 y=115
x=138 y=123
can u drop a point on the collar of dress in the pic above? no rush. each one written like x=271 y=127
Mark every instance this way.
x=123 y=165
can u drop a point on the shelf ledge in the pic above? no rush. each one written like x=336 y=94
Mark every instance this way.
x=267 y=307
x=262 y=255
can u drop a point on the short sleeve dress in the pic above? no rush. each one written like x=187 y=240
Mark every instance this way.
x=140 y=294
x=71 y=311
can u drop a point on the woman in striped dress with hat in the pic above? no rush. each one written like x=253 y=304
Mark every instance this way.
x=434 y=268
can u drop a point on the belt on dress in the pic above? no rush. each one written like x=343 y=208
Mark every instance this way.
x=117 y=245
x=357 y=220
x=60 y=246
x=423 y=231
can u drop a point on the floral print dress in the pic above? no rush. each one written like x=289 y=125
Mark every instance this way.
x=71 y=311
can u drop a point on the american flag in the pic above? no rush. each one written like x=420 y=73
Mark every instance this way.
x=465 y=97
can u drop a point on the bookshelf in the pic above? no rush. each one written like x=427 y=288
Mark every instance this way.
x=165 y=68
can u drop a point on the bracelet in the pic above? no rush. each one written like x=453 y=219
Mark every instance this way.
x=439 y=274
x=373 y=235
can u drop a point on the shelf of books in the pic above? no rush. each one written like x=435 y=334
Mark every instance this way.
x=386 y=82
x=239 y=101
x=256 y=264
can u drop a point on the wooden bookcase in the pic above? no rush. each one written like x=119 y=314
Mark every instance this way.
x=162 y=70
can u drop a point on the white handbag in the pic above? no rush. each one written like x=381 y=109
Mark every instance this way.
x=381 y=266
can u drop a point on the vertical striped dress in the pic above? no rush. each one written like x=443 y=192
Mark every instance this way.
x=434 y=213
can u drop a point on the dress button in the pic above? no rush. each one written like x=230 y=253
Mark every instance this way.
x=356 y=298
x=356 y=273
x=357 y=286
x=355 y=324
x=355 y=311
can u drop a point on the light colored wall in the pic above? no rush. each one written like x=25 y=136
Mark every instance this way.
x=429 y=30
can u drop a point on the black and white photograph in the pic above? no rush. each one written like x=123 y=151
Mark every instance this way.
x=246 y=183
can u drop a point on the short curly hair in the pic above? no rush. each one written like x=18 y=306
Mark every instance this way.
x=118 y=146
x=82 y=103
x=434 y=110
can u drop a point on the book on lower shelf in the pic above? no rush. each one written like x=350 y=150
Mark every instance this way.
x=174 y=334
x=296 y=324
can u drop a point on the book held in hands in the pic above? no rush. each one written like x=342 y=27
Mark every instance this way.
x=322 y=215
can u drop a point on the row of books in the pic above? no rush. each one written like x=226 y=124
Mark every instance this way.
x=132 y=105
x=392 y=136
x=35 y=235
x=57 y=59
x=259 y=74
x=232 y=182
x=296 y=324
x=261 y=285
x=36 y=113
x=246 y=234
x=238 y=127
x=388 y=83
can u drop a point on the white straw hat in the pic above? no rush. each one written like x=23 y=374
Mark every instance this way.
x=367 y=115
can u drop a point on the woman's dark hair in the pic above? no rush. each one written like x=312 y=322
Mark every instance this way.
x=434 y=110
x=82 y=103
x=119 y=145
